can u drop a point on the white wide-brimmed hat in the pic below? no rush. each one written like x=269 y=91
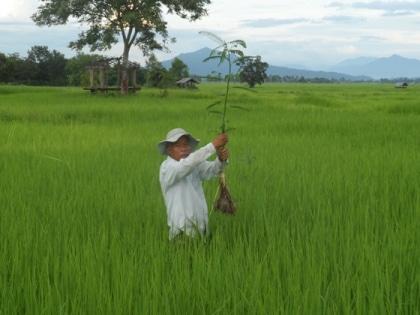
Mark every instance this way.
x=173 y=136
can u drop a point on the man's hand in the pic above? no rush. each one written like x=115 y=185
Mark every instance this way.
x=220 y=141
x=223 y=154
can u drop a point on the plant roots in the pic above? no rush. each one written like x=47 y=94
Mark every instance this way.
x=224 y=202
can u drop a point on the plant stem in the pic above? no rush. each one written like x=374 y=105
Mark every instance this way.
x=226 y=95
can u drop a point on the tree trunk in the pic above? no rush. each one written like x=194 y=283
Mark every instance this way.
x=134 y=79
x=102 y=78
x=92 y=78
x=124 y=72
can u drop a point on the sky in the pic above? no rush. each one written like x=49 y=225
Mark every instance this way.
x=307 y=34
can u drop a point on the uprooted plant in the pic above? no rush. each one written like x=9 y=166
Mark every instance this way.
x=231 y=53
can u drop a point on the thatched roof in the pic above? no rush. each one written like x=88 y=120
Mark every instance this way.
x=401 y=84
x=187 y=80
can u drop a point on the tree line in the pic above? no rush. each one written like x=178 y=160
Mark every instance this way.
x=45 y=67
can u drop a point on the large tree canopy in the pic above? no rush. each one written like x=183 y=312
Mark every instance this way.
x=253 y=71
x=137 y=22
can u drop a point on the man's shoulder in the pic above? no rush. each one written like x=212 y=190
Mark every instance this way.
x=166 y=162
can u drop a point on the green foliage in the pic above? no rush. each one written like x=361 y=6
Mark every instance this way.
x=138 y=23
x=225 y=52
x=76 y=67
x=157 y=75
x=326 y=178
x=178 y=70
x=6 y=68
x=49 y=66
x=253 y=71
x=45 y=67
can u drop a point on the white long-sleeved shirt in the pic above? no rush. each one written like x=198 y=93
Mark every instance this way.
x=182 y=190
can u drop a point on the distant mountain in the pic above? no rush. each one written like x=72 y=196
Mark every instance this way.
x=360 y=61
x=196 y=66
x=357 y=69
x=310 y=74
x=390 y=67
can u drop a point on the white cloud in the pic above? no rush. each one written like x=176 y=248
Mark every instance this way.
x=17 y=10
x=347 y=49
x=263 y=23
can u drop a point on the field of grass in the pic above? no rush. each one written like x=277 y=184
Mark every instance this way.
x=326 y=179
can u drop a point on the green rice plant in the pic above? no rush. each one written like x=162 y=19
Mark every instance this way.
x=329 y=200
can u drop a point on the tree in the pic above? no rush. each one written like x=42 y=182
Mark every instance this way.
x=25 y=71
x=137 y=22
x=76 y=67
x=178 y=70
x=51 y=66
x=4 y=68
x=253 y=71
x=156 y=72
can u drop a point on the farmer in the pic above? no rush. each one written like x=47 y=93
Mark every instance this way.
x=180 y=179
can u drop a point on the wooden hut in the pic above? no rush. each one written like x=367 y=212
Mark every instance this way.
x=401 y=84
x=186 y=82
x=107 y=64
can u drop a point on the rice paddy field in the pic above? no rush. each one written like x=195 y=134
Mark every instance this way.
x=326 y=179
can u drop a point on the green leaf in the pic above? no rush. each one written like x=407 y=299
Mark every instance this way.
x=239 y=42
x=216 y=51
x=237 y=52
x=213 y=37
x=223 y=57
x=239 y=107
x=244 y=88
x=211 y=58
x=213 y=104
x=216 y=112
